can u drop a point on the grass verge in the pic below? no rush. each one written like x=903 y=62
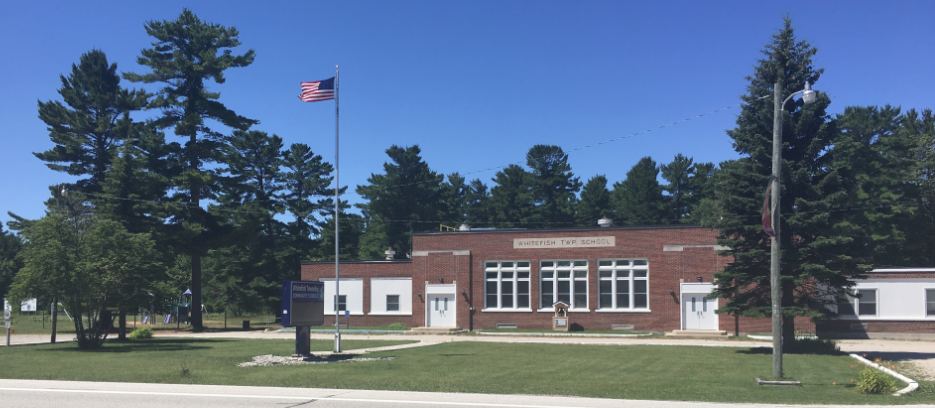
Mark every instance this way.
x=713 y=374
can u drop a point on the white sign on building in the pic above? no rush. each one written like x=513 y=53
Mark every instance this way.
x=564 y=242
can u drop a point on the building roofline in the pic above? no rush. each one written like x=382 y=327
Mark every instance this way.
x=376 y=261
x=896 y=269
x=578 y=229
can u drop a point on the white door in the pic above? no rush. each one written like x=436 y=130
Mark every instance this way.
x=441 y=310
x=698 y=312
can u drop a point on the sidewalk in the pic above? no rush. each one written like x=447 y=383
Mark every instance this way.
x=24 y=339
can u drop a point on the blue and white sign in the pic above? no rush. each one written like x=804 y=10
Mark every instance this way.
x=308 y=291
x=303 y=303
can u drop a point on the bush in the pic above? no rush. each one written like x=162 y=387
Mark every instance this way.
x=396 y=326
x=817 y=346
x=873 y=381
x=142 y=333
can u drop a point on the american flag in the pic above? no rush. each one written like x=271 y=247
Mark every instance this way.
x=318 y=90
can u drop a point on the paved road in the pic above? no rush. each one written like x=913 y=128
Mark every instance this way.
x=37 y=393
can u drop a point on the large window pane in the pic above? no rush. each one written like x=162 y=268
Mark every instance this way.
x=606 y=296
x=623 y=294
x=546 y=294
x=639 y=294
x=492 y=294
x=506 y=298
x=867 y=303
x=581 y=294
x=564 y=292
x=522 y=294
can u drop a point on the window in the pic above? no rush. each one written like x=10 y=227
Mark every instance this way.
x=563 y=281
x=930 y=302
x=867 y=303
x=392 y=303
x=861 y=303
x=623 y=284
x=342 y=303
x=506 y=285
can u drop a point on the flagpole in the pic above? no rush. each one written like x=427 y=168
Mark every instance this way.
x=337 y=212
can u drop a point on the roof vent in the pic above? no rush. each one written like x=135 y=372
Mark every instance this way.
x=390 y=253
x=605 y=222
x=464 y=227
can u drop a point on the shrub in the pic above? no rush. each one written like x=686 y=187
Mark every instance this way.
x=396 y=326
x=873 y=381
x=142 y=333
x=817 y=346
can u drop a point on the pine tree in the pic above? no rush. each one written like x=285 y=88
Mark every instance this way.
x=477 y=204
x=679 y=198
x=407 y=197
x=186 y=54
x=595 y=202
x=87 y=132
x=553 y=185
x=456 y=195
x=638 y=199
x=819 y=252
x=920 y=227
x=512 y=201
x=305 y=181
x=874 y=161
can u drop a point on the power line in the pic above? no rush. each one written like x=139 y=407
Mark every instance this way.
x=616 y=139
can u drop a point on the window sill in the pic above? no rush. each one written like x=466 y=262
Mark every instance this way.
x=390 y=314
x=569 y=310
x=507 y=310
x=623 y=311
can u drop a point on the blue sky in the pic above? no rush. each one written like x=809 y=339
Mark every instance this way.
x=474 y=84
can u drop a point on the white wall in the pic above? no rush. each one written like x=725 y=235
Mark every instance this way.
x=353 y=288
x=380 y=287
x=897 y=299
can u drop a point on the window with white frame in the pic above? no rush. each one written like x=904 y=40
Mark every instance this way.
x=506 y=285
x=862 y=303
x=563 y=281
x=930 y=302
x=392 y=303
x=342 y=303
x=623 y=284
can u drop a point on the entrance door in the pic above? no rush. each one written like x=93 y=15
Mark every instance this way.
x=441 y=310
x=698 y=312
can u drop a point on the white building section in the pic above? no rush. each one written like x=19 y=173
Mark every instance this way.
x=391 y=296
x=698 y=307
x=352 y=290
x=891 y=299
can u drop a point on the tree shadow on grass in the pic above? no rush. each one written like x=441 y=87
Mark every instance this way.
x=150 y=345
x=769 y=350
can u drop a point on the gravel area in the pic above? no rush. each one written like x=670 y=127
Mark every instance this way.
x=271 y=360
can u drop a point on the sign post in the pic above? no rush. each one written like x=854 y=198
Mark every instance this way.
x=303 y=306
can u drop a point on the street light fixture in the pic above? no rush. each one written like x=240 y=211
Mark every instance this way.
x=808 y=96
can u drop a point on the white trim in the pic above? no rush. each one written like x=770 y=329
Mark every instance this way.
x=388 y=314
x=623 y=311
x=680 y=248
x=905 y=270
x=506 y=310
x=451 y=251
x=440 y=289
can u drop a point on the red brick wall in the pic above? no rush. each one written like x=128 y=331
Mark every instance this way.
x=667 y=269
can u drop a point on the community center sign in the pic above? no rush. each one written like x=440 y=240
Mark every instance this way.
x=563 y=242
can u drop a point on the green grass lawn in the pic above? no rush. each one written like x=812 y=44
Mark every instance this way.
x=634 y=372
